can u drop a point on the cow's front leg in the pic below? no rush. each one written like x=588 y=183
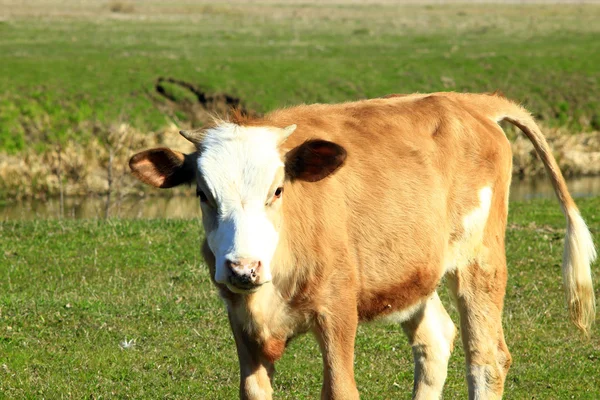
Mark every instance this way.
x=256 y=370
x=336 y=334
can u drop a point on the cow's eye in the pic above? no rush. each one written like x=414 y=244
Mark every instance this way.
x=201 y=195
x=278 y=192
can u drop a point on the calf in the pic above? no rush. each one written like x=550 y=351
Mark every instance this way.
x=319 y=217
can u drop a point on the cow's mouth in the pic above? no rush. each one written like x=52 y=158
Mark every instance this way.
x=242 y=288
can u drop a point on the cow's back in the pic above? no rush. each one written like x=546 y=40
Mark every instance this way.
x=415 y=168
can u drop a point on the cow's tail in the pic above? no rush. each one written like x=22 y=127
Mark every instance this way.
x=579 y=252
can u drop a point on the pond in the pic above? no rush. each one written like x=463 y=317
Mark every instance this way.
x=187 y=206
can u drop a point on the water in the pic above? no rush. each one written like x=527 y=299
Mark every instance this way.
x=95 y=207
x=542 y=188
x=188 y=207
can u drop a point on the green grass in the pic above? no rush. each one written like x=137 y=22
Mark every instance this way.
x=71 y=291
x=65 y=64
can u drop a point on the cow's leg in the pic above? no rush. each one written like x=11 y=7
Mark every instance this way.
x=431 y=333
x=335 y=334
x=256 y=370
x=479 y=291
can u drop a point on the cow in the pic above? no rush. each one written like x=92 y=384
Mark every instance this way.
x=318 y=217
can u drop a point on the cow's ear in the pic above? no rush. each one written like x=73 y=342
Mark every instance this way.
x=162 y=167
x=314 y=160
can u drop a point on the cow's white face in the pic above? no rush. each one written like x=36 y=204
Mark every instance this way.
x=240 y=178
x=240 y=173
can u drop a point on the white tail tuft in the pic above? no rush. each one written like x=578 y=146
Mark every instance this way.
x=577 y=276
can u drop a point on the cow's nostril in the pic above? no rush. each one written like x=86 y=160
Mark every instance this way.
x=243 y=268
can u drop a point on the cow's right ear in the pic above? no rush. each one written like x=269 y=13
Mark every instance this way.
x=162 y=167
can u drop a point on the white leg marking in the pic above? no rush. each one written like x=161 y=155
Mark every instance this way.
x=432 y=337
x=254 y=390
x=477 y=382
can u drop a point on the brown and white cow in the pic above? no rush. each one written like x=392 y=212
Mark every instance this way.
x=319 y=217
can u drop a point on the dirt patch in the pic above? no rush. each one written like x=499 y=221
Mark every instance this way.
x=184 y=100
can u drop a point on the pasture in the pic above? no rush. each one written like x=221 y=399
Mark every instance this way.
x=124 y=308
x=73 y=291
x=70 y=68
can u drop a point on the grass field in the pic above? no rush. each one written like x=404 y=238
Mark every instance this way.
x=68 y=67
x=124 y=309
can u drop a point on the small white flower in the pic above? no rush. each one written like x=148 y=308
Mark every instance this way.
x=127 y=344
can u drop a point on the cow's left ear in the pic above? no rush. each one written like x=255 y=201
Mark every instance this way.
x=162 y=167
x=314 y=160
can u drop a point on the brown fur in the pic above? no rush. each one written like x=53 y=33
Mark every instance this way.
x=387 y=299
x=376 y=236
x=273 y=349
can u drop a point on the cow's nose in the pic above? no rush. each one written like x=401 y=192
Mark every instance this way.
x=243 y=271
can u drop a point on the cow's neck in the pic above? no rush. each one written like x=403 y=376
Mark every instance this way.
x=268 y=319
x=271 y=315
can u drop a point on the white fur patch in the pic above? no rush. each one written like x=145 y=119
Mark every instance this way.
x=238 y=165
x=404 y=315
x=468 y=246
x=476 y=219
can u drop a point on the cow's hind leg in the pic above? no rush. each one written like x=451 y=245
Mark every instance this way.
x=479 y=292
x=431 y=334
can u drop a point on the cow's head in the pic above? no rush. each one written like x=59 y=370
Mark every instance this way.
x=240 y=174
